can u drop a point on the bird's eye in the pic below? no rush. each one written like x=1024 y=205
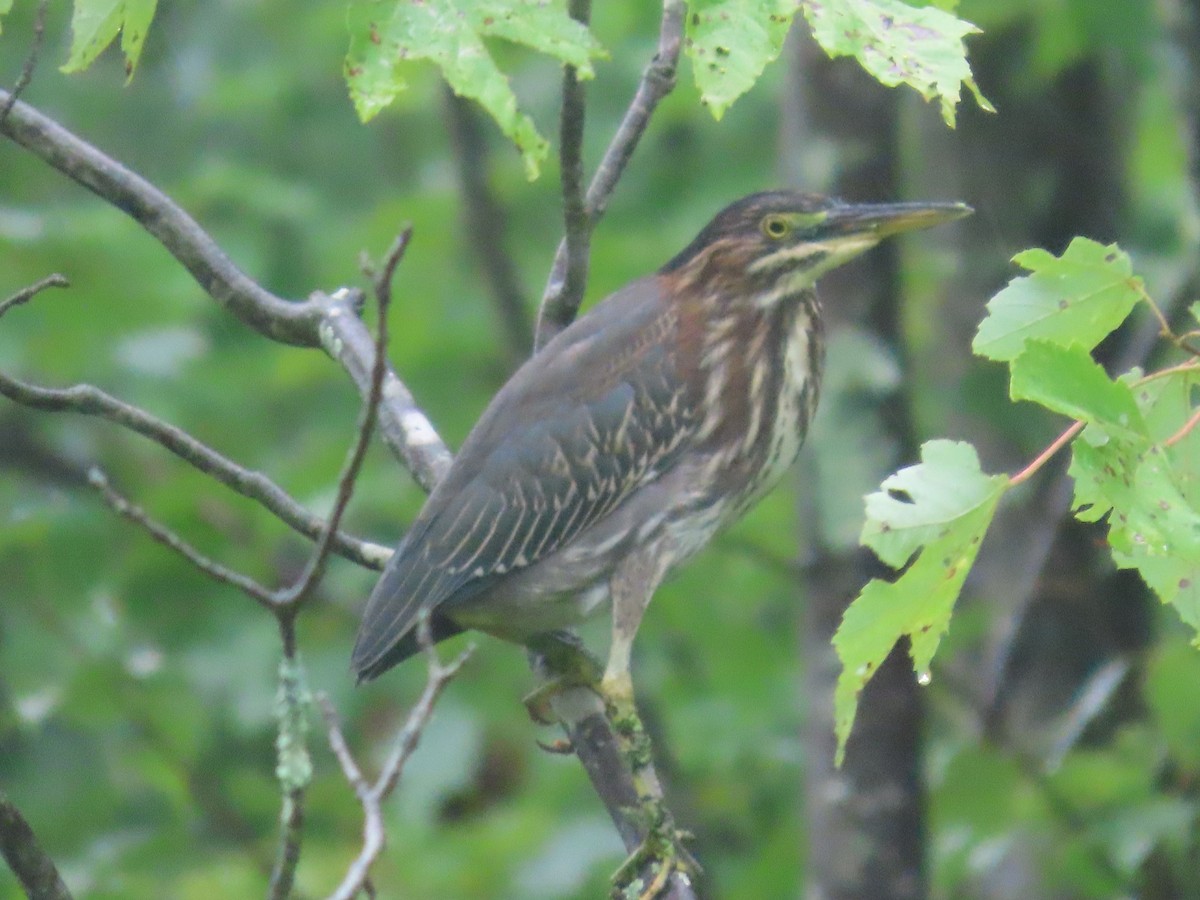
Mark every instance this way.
x=776 y=227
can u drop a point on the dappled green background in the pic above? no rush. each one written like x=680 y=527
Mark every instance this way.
x=136 y=696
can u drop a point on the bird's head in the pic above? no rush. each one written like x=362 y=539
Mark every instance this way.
x=767 y=246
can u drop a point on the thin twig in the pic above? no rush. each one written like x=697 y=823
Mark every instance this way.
x=86 y=399
x=327 y=320
x=484 y=220
x=576 y=218
x=371 y=796
x=315 y=569
x=405 y=427
x=1183 y=431
x=26 y=294
x=26 y=857
x=130 y=511
x=1042 y=458
x=31 y=59
x=558 y=307
x=1164 y=326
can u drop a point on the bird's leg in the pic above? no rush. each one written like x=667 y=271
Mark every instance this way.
x=631 y=587
x=565 y=663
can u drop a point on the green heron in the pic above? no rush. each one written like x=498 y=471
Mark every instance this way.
x=635 y=435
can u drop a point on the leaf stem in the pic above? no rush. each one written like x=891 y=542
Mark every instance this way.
x=1042 y=458
x=1183 y=432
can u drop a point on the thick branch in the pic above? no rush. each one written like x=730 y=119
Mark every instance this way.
x=559 y=305
x=279 y=319
x=324 y=320
x=25 y=856
x=405 y=428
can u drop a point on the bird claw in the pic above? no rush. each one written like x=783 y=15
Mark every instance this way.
x=663 y=852
x=559 y=747
x=538 y=702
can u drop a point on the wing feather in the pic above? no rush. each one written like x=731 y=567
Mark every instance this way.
x=543 y=464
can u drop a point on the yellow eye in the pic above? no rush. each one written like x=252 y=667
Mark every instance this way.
x=776 y=227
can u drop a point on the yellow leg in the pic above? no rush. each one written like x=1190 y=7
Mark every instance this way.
x=661 y=850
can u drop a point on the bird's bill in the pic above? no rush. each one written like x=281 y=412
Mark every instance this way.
x=881 y=220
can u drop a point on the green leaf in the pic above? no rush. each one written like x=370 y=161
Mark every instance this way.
x=1152 y=525
x=899 y=44
x=5 y=6
x=1068 y=381
x=938 y=510
x=1195 y=310
x=96 y=23
x=730 y=43
x=1076 y=299
x=387 y=36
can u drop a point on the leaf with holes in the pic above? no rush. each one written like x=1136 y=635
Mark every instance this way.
x=388 y=36
x=1148 y=489
x=900 y=44
x=96 y=23
x=932 y=518
x=731 y=42
x=1076 y=299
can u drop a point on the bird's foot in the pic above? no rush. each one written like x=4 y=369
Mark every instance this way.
x=648 y=870
x=646 y=873
x=572 y=666
x=560 y=747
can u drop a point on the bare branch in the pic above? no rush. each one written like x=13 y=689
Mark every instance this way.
x=324 y=320
x=91 y=401
x=484 y=221
x=383 y=291
x=26 y=294
x=577 y=221
x=293 y=764
x=169 y=539
x=283 y=874
x=35 y=48
x=591 y=735
x=26 y=857
x=371 y=796
x=558 y=306
x=279 y=319
x=405 y=428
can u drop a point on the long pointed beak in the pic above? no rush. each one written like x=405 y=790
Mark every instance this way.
x=885 y=219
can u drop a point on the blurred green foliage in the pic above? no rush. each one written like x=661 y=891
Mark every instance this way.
x=136 y=696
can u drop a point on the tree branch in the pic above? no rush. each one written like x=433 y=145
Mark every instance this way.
x=31 y=59
x=25 y=856
x=163 y=535
x=559 y=305
x=91 y=401
x=325 y=320
x=404 y=427
x=26 y=294
x=371 y=796
x=272 y=316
